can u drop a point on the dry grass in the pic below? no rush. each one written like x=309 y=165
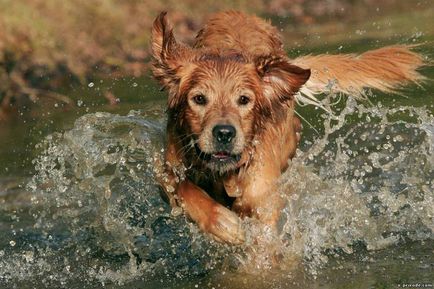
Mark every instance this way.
x=45 y=44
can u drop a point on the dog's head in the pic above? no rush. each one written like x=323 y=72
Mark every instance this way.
x=219 y=100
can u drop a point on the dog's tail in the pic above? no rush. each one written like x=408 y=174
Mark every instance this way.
x=386 y=69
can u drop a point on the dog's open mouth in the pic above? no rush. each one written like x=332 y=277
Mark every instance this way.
x=221 y=156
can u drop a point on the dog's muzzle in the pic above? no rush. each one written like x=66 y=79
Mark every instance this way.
x=223 y=134
x=221 y=156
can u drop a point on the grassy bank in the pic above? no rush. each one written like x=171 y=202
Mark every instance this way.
x=49 y=44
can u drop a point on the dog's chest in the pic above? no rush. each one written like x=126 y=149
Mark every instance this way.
x=212 y=184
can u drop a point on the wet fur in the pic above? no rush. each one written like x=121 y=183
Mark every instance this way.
x=237 y=54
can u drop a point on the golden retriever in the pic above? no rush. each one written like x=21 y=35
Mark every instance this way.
x=231 y=127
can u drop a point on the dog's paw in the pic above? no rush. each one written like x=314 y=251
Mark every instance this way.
x=225 y=226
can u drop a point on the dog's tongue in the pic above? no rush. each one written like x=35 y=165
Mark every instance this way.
x=221 y=155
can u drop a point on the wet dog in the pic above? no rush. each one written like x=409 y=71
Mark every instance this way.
x=231 y=126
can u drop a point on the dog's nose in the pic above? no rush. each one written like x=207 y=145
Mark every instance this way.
x=224 y=133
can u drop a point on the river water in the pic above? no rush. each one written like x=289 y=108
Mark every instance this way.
x=360 y=213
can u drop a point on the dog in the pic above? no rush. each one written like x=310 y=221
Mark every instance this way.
x=231 y=127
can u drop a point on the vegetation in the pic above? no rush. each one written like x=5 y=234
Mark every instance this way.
x=47 y=44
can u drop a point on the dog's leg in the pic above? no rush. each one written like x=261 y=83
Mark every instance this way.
x=223 y=224
x=260 y=197
x=259 y=189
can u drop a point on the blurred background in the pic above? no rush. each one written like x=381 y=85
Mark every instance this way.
x=61 y=59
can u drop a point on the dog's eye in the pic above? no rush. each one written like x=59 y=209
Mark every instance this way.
x=200 y=99
x=243 y=100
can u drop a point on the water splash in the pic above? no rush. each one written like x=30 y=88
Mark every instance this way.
x=97 y=216
x=368 y=180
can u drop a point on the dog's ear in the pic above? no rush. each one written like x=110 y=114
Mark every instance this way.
x=281 y=79
x=162 y=41
x=171 y=60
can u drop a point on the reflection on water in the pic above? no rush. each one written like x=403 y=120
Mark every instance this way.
x=92 y=215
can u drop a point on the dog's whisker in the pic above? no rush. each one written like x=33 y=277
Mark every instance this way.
x=190 y=147
x=183 y=137
x=182 y=149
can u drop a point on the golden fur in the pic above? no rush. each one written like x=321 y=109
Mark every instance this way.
x=384 y=69
x=231 y=125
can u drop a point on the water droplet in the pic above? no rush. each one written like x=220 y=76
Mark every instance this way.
x=398 y=138
x=176 y=211
x=91 y=84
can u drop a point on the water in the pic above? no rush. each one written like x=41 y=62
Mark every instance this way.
x=92 y=214
x=83 y=210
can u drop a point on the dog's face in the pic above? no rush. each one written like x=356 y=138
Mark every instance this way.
x=220 y=95
x=221 y=99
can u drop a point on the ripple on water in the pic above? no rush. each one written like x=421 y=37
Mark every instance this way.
x=97 y=216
